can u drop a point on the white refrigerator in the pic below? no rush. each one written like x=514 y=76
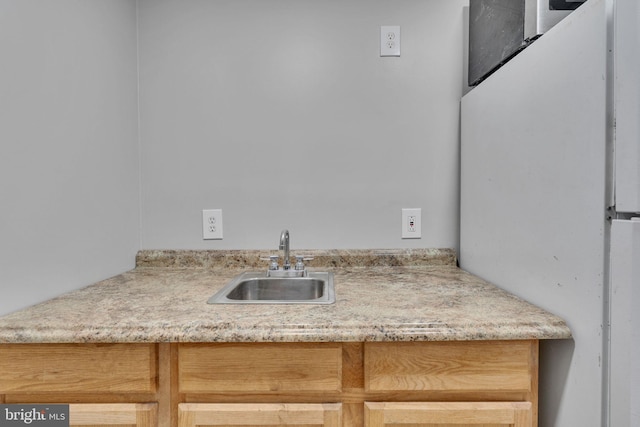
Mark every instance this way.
x=550 y=195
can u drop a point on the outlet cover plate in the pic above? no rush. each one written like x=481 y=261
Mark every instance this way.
x=212 y=224
x=412 y=223
x=390 y=40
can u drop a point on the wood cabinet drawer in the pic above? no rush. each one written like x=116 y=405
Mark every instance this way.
x=87 y=368
x=259 y=367
x=454 y=414
x=113 y=414
x=260 y=414
x=451 y=366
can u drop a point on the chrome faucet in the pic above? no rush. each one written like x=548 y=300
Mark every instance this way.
x=287 y=269
x=284 y=245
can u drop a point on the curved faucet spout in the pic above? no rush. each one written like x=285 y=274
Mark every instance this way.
x=284 y=245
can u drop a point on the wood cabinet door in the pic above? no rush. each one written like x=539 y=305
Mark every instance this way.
x=451 y=366
x=263 y=414
x=448 y=414
x=259 y=367
x=78 y=368
x=113 y=415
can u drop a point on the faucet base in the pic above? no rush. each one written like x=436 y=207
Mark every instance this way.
x=287 y=273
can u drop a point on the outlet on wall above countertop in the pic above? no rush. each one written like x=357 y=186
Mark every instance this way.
x=212 y=224
x=412 y=223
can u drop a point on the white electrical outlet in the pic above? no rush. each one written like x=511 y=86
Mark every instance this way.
x=390 y=40
x=411 y=223
x=212 y=224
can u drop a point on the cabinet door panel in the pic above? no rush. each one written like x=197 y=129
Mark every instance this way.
x=448 y=414
x=451 y=366
x=113 y=415
x=265 y=414
x=259 y=367
x=84 y=368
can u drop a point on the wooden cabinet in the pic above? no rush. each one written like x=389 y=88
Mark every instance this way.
x=477 y=366
x=428 y=384
x=104 y=384
x=262 y=376
x=260 y=414
x=259 y=367
x=454 y=414
x=113 y=415
x=460 y=380
x=84 y=368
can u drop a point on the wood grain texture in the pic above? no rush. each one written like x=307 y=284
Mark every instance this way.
x=458 y=414
x=449 y=366
x=266 y=414
x=167 y=385
x=259 y=367
x=113 y=415
x=352 y=365
x=272 y=378
x=89 y=368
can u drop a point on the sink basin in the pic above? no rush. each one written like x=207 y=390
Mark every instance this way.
x=258 y=288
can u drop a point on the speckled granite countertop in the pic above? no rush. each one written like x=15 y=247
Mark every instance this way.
x=381 y=295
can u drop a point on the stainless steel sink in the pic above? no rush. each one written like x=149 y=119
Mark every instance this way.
x=260 y=288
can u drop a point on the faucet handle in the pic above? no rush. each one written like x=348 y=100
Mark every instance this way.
x=273 y=262
x=300 y=259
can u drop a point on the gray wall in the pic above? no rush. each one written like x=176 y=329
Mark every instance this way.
x=68 y=145
x=279 y=112
x=282 y=114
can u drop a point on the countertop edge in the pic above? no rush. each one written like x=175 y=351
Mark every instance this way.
x=381 y=333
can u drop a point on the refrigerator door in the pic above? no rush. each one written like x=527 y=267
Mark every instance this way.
x=625 y=324
x=627 y=105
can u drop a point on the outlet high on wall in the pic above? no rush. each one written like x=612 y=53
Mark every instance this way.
x=390 y=40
